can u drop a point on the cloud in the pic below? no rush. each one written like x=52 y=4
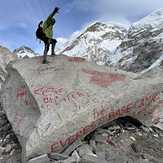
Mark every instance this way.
x=6 y=43
x=118 y=10
x=61 y=42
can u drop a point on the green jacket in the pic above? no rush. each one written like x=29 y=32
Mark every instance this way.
x=48 y=26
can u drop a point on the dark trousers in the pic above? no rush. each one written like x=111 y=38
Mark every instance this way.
x=48 y=42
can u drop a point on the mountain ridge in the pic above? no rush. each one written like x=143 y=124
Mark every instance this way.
x=96 y=42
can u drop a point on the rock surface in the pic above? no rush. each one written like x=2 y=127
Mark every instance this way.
x=51 y=106
x=5 y=57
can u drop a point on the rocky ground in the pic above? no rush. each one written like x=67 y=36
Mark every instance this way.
x=124 y=140
x=9 y=146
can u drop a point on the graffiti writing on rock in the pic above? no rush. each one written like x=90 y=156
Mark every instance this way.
x=69 y=140
x=140 y=104
x=103 y=79
x=102 y=117
x=23 y=96
x=48 y=91
x=21 y=92
x=18 y=119
x=54 y=96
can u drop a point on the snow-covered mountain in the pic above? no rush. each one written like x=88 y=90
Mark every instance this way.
x=24 y=52
x=96 y=42
x=142 y=47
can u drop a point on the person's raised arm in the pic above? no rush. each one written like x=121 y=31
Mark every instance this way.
x=55 y=11
x=48 y=21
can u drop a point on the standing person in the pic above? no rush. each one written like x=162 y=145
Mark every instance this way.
x=45 y=33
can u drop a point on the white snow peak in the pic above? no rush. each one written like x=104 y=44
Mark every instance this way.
x=24 y=51
x=96 y=42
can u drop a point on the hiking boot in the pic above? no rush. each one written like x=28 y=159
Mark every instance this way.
x=44 y=61
x=53 y=54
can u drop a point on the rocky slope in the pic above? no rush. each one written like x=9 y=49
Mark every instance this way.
x=96 y=43
x=24 y=52
x=8 y=142
x=5 y=57
x=142 y=47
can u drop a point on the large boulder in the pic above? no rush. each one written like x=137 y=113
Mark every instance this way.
x=52 y=105
x=155 y=73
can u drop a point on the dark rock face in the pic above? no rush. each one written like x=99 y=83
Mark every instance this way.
x=10 y=149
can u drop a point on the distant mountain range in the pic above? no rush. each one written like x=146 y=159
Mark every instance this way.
x=137 y=49
x=24 y=52
x=142 y=47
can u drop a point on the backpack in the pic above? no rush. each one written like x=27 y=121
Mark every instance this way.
x=39 y=32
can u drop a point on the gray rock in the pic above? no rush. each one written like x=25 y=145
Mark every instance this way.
x=84 y=150
x=41 y=159
x=72 y=147
x=51 y=106
x=73 y=159
x=57 y=156
x=92 y=159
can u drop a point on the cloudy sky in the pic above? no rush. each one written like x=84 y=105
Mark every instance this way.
x=19 y=18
